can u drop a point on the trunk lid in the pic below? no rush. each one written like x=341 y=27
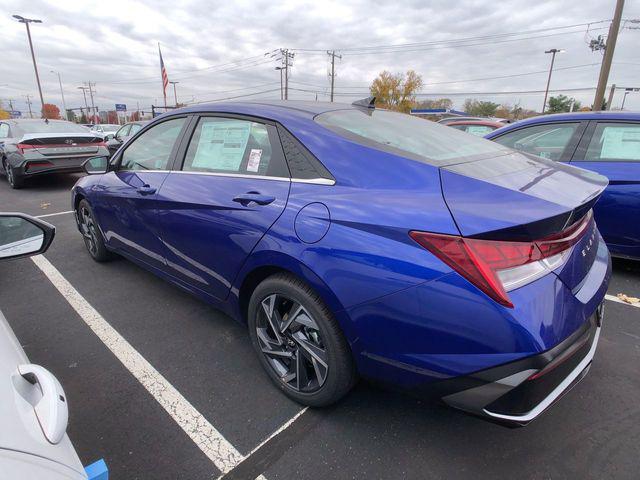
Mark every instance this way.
x=59 y=144
x=518 y=197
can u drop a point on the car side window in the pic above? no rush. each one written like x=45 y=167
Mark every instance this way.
x=152 y=150
x=135 y=128
x=546 y=141
x=123 y=132
x=235 y=146
x=4 y=130
x=614 y=142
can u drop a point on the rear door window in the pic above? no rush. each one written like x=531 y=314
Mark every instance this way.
x=4 y=130
x=547 y=141
x=235 y=146
x=614 y=142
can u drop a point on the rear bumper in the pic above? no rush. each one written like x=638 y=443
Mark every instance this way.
x=519 y=392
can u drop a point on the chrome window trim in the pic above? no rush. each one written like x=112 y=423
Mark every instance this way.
x=315 y=181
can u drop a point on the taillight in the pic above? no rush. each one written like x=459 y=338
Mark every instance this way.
x=24 y=146
x=496 y=266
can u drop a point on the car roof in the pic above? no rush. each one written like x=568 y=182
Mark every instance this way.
x=19 y=121
x=273 y=109
x=487 y=123
x=600 y=115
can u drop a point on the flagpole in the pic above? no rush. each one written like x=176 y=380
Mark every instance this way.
x=162 y=70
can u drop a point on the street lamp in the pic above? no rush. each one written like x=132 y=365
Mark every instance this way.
x=175 y=95
x=84 y=94
x=27 y=21
x=64 y=104
x=281 y=69
x=553 y=51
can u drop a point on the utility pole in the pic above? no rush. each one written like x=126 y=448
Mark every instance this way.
x=608 y=56
x=28 y=97
x=333 y=56
x=175 y=95
x=286 y=56
x=64 y=104
x=610 y=100
x=281 y=92
x=553 y=51
x=27 y=21
x=84 y=94
x=93 y=107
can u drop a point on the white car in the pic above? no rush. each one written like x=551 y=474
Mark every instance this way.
x=33 y=405
x=105 y=130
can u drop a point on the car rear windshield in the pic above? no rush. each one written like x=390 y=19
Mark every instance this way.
x=50 y=127
x=408 y=136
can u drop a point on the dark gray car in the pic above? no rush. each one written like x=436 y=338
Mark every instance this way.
x=127 y=131
x=38 y=147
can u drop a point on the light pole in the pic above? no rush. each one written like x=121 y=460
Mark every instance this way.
x=624 y=98
x=553 y=51
x=281 y=69
x=175 y=95
x=27 y=21
x=84 y=94
x=64 y=104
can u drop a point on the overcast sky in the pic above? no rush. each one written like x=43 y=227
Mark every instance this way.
x=217 y=49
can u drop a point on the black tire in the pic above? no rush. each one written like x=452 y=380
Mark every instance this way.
x=14 y=181
x=340 y=373
x=91 y=234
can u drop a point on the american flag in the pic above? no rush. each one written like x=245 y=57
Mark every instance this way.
x=165 y=78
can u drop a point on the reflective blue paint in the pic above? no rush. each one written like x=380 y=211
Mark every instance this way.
x=408 y=318
x=619 y=205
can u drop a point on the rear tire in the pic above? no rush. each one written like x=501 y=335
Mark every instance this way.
x=14 y=181
x=308 y=359
x=91 y=234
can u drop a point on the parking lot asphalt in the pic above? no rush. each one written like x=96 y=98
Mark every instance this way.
x=593 y=432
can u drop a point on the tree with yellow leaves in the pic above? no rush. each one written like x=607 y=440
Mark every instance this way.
x=396 y=91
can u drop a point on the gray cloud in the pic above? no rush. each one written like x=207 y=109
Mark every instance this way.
x=115 y=45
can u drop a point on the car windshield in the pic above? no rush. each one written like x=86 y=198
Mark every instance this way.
x=50 y=127
x=408 y=136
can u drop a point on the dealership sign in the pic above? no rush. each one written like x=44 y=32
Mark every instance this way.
x=121 y=107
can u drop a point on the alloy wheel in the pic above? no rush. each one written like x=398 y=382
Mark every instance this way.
x=9 y=173
x=290 y=340
x=88 y=228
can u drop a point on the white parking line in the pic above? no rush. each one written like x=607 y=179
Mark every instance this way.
x=613 y=298
x=210 y=441
x=54 y=214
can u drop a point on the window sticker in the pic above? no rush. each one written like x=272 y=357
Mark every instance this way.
x=479 y=130
x=621 y=143
x=254 y=160
x=221 y=145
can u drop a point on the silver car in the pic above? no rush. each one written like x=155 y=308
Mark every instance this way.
x=33 y=405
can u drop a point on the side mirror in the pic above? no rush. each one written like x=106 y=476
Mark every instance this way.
x=22 y=235
x=96 y=165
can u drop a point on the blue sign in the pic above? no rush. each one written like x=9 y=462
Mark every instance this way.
x=121 y=107
x=15 y=114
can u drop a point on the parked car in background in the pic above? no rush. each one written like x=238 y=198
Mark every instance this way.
x=39 y=147
x=123 y=134
x=33 y=405
x=105 y=130
x=476 y=127
x=605 y=142
x=353 y=240
x=448 y=120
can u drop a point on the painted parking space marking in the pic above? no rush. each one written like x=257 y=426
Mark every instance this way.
x=613 y=298
x=208 y=439
x=54 y=214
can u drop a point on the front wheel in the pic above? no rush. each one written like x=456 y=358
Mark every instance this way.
x=299 y=343
x=91 y=233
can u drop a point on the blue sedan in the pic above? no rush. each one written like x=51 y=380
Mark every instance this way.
x=357 y=242
x=604 y=142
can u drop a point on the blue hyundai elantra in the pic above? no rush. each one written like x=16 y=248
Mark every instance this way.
x=358 y=242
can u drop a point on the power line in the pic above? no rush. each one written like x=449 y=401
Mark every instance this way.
x=454 y=40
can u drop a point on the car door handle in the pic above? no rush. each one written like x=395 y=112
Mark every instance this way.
x=256 y=197
x=51 y=408
x=146 y=190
